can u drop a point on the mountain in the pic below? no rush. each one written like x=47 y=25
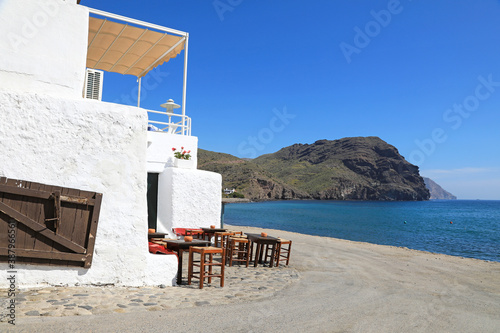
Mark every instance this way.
x=436 y=191
x=359 y=168
x=247 y=177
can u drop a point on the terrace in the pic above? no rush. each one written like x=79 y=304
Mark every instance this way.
x=127 y=46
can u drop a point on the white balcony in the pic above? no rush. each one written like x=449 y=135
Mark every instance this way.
x=168 y=121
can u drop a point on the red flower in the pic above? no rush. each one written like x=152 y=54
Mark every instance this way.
x=173 y=149
x=189 y=151
x=182 y=148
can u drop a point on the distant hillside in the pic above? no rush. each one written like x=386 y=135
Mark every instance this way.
x=436 y=191
x=360 y=168
x=246 y=177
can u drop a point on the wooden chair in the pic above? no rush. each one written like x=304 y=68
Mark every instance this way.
x=220 y=238
x=195 y=233
x=238 y=233
x=206 y=264
x=238 y=249
x=179 y=232
x=283 y=253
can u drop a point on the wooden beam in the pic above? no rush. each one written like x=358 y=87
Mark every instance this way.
x=93 y=229
x=41 y=229
x=45 y=195
x=25 y=191
x=27 y=253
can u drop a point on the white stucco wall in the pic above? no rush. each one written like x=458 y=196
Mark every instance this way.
x=188 y=199
x=92 y=146
x=43 y=46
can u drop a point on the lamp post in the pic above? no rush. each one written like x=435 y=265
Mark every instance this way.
x=170 y=106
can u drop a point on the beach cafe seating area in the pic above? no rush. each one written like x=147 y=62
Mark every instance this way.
x=211 y=249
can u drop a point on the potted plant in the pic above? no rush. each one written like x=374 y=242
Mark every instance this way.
x=182 y=158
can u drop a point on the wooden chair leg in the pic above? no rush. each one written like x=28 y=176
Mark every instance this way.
x=261 y=253
x=266 y=253
x=190 y=266
x=230 y=252
x=202 y=269
x=222 y=267
x=288 y=254
x=277 y=254
x=250 y=243
x=273 y=253
x=210 y=270
x=248 y=253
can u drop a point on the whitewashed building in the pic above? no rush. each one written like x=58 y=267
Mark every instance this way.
x=54 y=129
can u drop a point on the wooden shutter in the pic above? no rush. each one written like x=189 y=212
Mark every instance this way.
x=53 y=225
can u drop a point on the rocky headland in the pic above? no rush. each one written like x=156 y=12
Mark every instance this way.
x=436 y=191
x=358 y=168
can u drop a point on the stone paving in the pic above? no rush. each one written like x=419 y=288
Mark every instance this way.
x=241 y=284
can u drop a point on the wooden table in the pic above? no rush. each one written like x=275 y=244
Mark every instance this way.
x=157 y=235
x=180 y=246
x=260 y=241
x=211 y=231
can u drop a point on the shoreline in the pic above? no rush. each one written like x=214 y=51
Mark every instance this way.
x=234 y=227
x=341 y=285
x=277 y=231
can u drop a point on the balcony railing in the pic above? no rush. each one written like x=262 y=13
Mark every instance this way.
x=173 y=124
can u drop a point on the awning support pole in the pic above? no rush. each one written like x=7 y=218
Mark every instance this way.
x=184 y=129
x=139 y=93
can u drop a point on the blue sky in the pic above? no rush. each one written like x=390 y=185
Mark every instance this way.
x=423 y=75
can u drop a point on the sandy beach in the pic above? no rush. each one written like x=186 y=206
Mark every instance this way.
x=331 y=285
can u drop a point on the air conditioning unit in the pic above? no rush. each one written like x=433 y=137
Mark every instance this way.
x=93 y=84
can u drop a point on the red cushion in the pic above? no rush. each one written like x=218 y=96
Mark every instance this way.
x=182 y=231
x=159 y=249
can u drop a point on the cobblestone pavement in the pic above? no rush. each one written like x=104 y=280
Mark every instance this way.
x=241 y=284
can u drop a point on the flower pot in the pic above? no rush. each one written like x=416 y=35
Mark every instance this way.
x=212 y=227
x=263 y=234
x=151 y=231
x=183 y=164
x=188 y=238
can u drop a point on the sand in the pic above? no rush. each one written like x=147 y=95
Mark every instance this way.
x=340 y=286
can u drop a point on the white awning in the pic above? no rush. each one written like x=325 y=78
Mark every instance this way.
x=127 y=49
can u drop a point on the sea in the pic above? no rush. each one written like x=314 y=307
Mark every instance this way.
x=464 y=228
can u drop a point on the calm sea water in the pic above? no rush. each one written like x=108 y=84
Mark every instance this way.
x=424 y=225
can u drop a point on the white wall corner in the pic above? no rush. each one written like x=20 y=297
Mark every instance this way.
x=188 y=199
x=44 y=47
